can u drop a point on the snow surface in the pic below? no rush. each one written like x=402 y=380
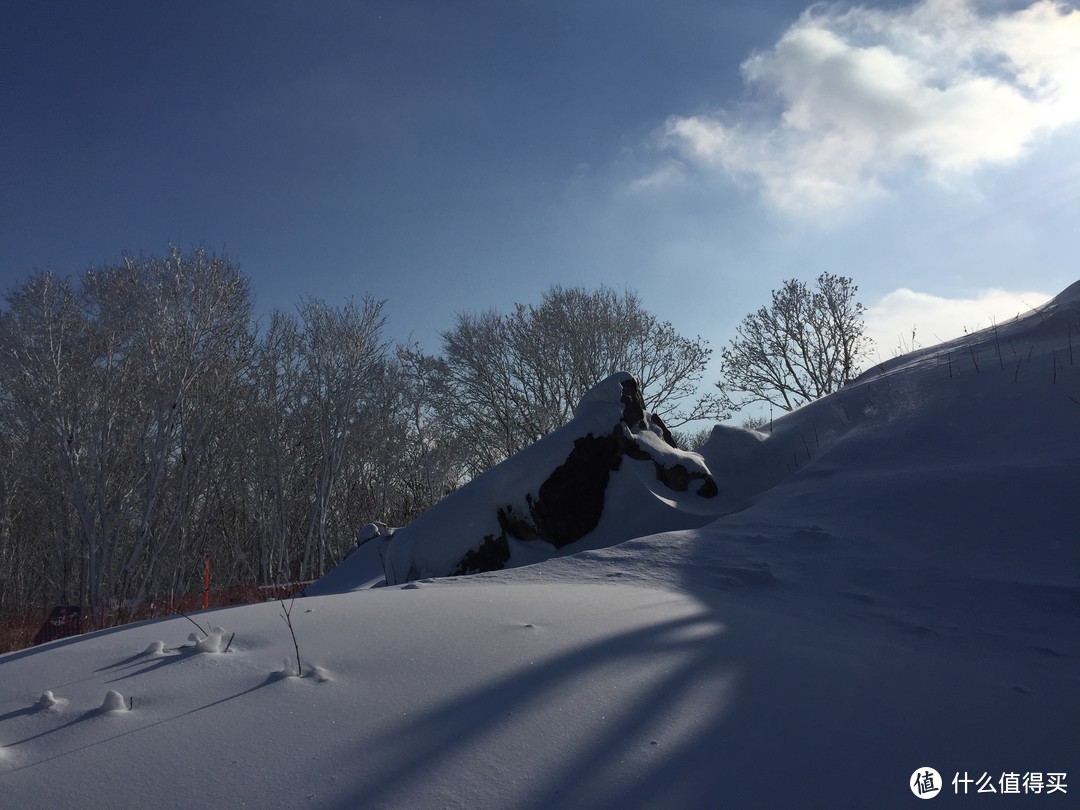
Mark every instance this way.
x=898 y=586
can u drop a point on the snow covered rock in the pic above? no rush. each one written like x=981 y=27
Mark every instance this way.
x=370 y=531
x=611 y=473
x=607 y=475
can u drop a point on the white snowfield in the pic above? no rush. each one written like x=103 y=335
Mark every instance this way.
x=893 y=584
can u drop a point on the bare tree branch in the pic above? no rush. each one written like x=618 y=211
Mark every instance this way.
x=804 y=345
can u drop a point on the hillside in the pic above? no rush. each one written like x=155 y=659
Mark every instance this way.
x=886 y=581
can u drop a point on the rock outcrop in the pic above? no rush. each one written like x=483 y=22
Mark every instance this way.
x=611 y=473
x=570 y=502
x=556 y=493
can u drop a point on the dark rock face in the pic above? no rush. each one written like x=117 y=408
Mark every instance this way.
x=570 y=502
x=708 y=488
x=656 y=421
x=633 y=404
x=491 y=556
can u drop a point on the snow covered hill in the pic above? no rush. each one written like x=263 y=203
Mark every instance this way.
x=892 y=584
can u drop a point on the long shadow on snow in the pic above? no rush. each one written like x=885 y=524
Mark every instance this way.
x=162 y=659
x=94 y=713
x=696 y=661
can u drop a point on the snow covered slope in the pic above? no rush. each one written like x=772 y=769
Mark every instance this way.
x=899 y=588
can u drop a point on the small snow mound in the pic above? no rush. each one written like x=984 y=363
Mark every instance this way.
x=288 y=669
x=320 y=674
x=213 y=643
x=193 y=637
x=114 y=702
x=370 y=531
x=47 y=700
x=154 y=648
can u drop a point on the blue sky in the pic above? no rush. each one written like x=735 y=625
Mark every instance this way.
x=452 y=156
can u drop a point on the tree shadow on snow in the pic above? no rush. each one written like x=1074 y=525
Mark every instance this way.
x=686 y=672
x=133 y=714
x=155 y=661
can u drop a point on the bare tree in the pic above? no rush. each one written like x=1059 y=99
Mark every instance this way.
x=275 y=445
x=343 y=351
x=194 y=349
x=804 y=345
x=431 y=460
x=485 y=403
x=59 y=376
x=143 y=426
x=514 y=378
x=119 y=378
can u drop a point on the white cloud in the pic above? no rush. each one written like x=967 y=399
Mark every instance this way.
x=666 y=175
x=848 y=97
x=934 y=319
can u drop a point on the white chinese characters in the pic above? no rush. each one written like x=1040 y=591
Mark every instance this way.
x=1034 y=782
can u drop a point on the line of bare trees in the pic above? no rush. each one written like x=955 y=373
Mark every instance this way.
x=147 y=420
